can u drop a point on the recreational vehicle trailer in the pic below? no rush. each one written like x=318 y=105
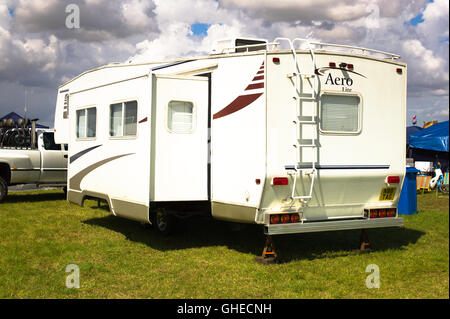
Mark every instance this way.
x=295 y=136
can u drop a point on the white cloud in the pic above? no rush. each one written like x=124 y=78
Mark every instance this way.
x=36 y=50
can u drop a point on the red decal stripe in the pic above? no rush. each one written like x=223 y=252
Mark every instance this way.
x=143 y=120
x=256 y=78
x=255 y=86
x=260 y=72
x=238 y=104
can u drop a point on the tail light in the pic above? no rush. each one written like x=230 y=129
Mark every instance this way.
x=383 y=212
x=332 y=65
x=280 y=181
x=391 y=212
x=350 y=66
x=276 y=60
x=393 y=179
x=274 y=219
x=284 y=218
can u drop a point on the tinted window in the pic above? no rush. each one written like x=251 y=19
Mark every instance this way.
x=49 y=142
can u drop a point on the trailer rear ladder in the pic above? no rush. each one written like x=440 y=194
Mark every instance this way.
x=296 y=79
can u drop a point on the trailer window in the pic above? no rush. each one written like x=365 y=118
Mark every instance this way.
x=87 y=123
x=340 y=113
x=123 y=119
x=179 y=117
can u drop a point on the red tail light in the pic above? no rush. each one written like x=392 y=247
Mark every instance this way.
x=274 y=219
x=350 y=66
x=332 y=65
x=285 y=218
x=295 y=218
x=399 y=71
x=393 y=179
x=383 y=212
x=276 y=60
x=390 y=212
x=280 y=181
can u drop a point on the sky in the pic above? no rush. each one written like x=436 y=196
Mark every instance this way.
x=38 y=52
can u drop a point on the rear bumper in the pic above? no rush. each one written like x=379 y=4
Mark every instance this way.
x=310 y=227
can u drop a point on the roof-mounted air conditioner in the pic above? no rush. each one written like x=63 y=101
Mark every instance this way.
x=234 y=45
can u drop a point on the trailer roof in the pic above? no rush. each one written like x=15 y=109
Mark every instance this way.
x=228 y=55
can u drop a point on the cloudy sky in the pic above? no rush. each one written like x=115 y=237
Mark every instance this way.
x=38 y=52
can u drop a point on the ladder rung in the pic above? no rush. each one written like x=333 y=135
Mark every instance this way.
x=306 y=145
x=302 y=197
x=291 y=75
x=307 y=122
x=307 y=117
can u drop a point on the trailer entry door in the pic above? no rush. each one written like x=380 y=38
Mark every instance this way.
x=180 y=139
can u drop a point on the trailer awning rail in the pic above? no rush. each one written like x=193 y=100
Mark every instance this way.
x=348 y=47
x=271 y=46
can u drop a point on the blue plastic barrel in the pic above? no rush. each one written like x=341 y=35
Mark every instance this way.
x=407 y=204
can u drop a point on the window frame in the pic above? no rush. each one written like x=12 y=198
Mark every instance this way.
x=360 y=112
x=194 y=117
x=123 y=137
x=85 y=108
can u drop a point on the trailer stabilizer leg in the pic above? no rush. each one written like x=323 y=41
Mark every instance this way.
x=269 y=256
x=364 y=243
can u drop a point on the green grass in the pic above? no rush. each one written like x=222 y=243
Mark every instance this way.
x=41 y=233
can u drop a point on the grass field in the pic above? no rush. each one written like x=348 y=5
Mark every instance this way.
x=41 y=233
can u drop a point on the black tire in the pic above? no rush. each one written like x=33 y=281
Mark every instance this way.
x=163 y=222
x=3 y=189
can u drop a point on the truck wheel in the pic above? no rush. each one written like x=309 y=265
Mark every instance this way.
x=163 y=222
x=3 y=189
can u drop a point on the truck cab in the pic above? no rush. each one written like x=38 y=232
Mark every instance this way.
x=43 y=163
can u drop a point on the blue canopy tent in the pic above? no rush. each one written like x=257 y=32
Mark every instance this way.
x=412 y=130
x=434 y=138
x=431 y=144
x=15 y=117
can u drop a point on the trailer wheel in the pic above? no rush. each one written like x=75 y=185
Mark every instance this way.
x=3 y=189
x=163 y=222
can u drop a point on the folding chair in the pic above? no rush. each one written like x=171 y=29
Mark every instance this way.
x=423 y=183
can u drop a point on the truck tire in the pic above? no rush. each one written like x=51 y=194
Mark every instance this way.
x=3 y=189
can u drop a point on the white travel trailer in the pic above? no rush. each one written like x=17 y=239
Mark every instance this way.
x=304 y=138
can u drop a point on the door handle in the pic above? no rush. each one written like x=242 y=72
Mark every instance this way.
x=65 y=156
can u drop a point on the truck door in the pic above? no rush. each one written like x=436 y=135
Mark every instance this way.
x=53 y=160
x=180 y=153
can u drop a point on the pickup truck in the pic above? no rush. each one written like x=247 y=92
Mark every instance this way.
x=27 y=158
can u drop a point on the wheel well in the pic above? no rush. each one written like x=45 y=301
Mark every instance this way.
x=5 y=172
